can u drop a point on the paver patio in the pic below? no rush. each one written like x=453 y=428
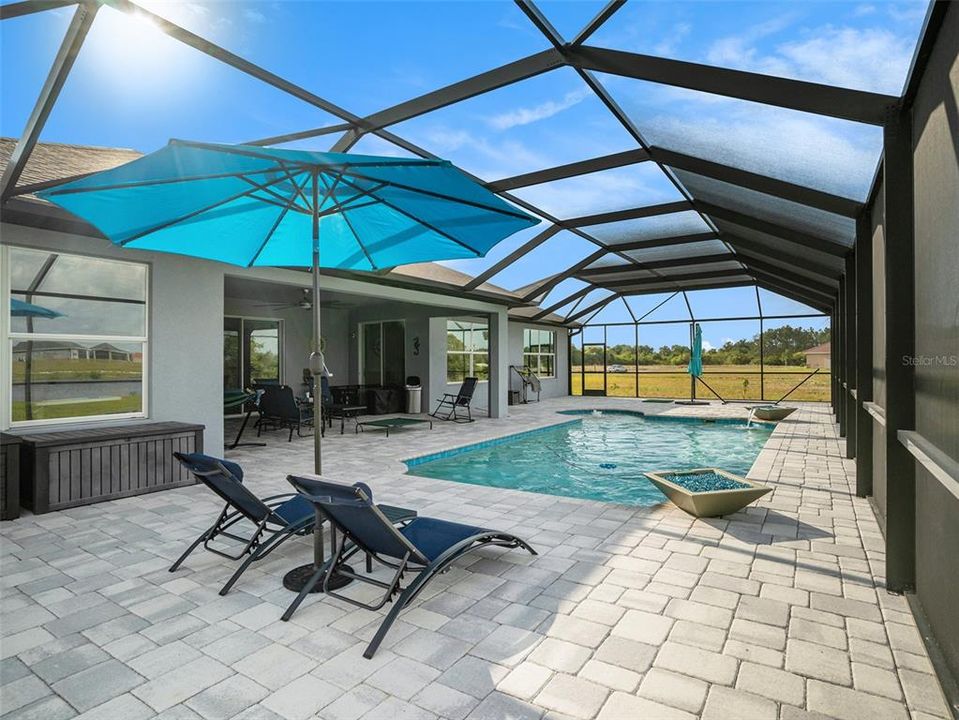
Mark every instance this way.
x=776 y=612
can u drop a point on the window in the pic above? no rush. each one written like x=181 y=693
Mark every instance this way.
x=76 y=337
x=539 y=351
x=467 y=350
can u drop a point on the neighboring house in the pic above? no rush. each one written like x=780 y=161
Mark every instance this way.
x=819 y=356
x=50 y=350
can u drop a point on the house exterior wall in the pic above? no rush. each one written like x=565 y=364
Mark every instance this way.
x=184 y=369
x=936 y=197
x=817 y=360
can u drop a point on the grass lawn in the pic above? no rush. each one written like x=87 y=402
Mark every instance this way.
x=728 y=380
x=62 y=369
x=81 y=408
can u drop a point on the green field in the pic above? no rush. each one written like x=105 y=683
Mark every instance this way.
x=732 y=382
x=82 y=408
x=62 y=369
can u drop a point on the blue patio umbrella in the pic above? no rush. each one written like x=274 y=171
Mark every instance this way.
x=19 y=308
x=254 y=206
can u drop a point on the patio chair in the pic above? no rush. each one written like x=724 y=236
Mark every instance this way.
x=276 y=518
x=331 y=409
x=450 y=406
x=279 y=409
x=426 y=546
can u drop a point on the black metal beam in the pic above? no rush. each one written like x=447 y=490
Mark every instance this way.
x=554 y=280
x=499 y=77
x=597 y=22
x=601 y=272
x=825 y=283
x=664 y=241
x=631 y=214
x=801 y=194
x=561 y=172
x=850 y=355
x=864 y=355
x=789 y=293
x=600 y=92
x=519 y=252
x=62 y=64
x=676 y=279
x=301 y=135
x=541 y=22
x=824 y=293
x=581 y=293
x=830 y=247
x=900 y=326
x=840 y=368
x=748 y=246
x=828 y=100
x=28 y=7
x=595 y=306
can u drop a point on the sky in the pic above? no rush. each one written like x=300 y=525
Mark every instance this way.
x=134 y=87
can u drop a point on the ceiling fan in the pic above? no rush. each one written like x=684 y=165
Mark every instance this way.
x=304 y=303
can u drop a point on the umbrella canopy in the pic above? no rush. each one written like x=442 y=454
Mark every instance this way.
x=696 y=357
x=19 y=308
x=254 y=206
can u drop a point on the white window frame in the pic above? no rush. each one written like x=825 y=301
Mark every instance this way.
x=8 y=338
x=540 y=354
x=470 y=354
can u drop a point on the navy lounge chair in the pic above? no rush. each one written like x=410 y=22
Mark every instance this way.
x=276 y=518
x=450 y=405
x=279 y=409
x=426 y=546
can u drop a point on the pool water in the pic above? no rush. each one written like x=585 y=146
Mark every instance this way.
x=600 y=457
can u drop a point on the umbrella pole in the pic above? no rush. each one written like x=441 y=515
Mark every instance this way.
x=299 y=578
x=316 y=366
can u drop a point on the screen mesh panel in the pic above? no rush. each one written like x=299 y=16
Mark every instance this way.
x=772 y=209
x=681 y=223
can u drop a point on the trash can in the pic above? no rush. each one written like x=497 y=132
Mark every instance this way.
x=414 y=395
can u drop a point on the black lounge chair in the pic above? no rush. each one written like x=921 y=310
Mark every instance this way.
x=276 y=518
x=426 y=546
x=450 y=405
x=279 y=408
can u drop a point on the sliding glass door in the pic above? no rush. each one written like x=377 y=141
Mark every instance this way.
x=251 y=352
x=383 y=353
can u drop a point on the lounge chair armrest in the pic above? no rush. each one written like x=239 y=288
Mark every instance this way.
x=282 y=497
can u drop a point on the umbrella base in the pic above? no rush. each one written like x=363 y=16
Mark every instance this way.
x=298 y=577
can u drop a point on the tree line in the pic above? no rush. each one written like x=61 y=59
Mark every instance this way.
x=784 y=345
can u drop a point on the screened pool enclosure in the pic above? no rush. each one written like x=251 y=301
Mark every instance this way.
x=757 y=346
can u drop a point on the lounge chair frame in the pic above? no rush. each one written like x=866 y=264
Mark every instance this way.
x=457 y=402
x=269 y=533
x=413 y=561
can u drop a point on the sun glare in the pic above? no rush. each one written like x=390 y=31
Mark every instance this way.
x=133 y=53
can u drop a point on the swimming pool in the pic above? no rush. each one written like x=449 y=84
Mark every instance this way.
x=599 y=457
